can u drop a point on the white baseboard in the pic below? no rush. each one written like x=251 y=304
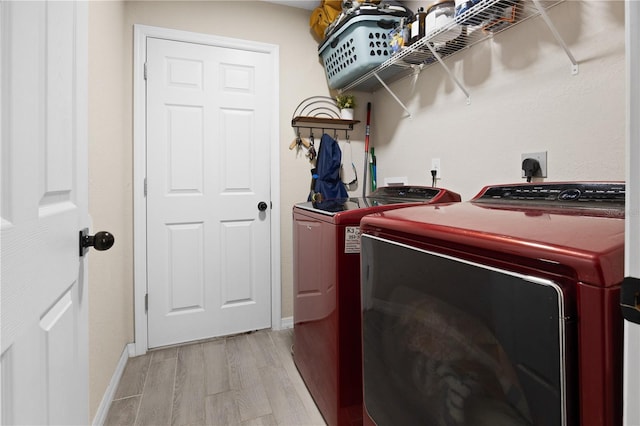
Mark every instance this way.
x=286 y=323
x=105 y=404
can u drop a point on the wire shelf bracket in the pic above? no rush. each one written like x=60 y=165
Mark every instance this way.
x=393 y=95
x=558 y=37
x=451 y=75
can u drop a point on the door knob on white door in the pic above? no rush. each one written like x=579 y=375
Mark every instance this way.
x=101 y=241
x=262 y=206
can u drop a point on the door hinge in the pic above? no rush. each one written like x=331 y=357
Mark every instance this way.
x=146 y=303
x=630 y=299
x=145 y=70
x=145 y=187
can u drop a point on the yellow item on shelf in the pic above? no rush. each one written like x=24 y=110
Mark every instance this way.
x=323 y=15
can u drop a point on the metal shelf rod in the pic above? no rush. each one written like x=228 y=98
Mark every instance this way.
x=448 y=70
x=392 y=94
x=558 y=37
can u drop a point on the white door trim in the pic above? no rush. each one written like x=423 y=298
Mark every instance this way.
x=141 y=32
x=631 y=411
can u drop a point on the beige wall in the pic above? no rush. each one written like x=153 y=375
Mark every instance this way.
x=523 y=99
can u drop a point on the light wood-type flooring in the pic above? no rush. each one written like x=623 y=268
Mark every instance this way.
x=248 y=379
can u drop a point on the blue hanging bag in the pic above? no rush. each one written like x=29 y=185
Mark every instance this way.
x=326 y=183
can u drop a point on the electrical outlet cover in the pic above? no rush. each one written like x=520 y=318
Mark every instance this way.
x=542 y=159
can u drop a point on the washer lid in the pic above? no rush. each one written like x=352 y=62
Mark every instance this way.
x=383 y=196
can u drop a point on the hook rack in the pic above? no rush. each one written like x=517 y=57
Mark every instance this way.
x=320 y=113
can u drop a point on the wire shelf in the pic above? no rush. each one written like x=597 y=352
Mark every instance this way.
x=480 y=22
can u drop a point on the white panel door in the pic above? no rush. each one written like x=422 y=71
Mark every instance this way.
x=208 y=244
x=44 y=355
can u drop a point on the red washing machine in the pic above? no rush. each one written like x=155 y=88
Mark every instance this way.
x=326 y=287
x=503 y=310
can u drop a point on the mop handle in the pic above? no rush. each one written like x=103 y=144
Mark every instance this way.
x=368 y=128
x=366 y=151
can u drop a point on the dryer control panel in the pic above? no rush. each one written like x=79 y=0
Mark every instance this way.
x=589 y=195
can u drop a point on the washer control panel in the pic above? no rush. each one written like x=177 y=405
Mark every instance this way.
x=406 y=192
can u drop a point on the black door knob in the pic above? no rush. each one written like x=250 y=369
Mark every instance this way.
x=262 y=206
x=103 y=240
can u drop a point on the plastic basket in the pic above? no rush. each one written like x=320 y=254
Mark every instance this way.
x=357 y=47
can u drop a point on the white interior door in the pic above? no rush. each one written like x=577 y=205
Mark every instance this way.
x=208 y=243
x=44 y=355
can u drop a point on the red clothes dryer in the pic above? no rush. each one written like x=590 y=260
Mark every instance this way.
x=326 y=286
x=500 y=310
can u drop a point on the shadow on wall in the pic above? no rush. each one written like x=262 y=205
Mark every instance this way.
x=523 y=49
x=616 y=11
